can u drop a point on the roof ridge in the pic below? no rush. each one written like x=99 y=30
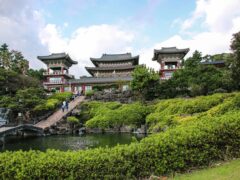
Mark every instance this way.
x=173 y=47
x=105 y=54
x=58 y=53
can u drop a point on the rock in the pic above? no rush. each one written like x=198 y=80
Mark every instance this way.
x=142 y=130
x=116 y=95
x=126 y=129
x=82 y=130
x=52 y=131
x=94 y=130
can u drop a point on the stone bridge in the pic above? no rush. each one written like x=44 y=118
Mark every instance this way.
x=7 y=130
x=39 y=128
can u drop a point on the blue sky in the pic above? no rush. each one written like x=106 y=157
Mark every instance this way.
x=152 y=18
x=89 y=28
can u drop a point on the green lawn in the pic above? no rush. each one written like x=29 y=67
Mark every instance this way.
x=226 y=171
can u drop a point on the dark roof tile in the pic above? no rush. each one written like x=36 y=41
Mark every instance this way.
x=57 y=56
x=96 y=80
x=169 y=50
x=116 y=57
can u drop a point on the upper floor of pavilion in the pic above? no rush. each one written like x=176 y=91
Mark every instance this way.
x=113 y=65
x=115 y=60
x=57 y=60
x=168 y=54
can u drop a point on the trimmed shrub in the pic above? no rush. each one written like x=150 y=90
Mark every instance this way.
x=89 y=93
x=166 y=110
x=112 y=115
x=189 y=145
x=52 y=102
x=72 y=120
x=62 y=96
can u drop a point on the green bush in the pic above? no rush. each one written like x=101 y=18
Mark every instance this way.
x=49 y=104
x=62 y=96
x=166 y=110
x=187 y=146
x=52 y=102
x=110 y=115
x=72 y=120
x=89 y=93
x=96 y=107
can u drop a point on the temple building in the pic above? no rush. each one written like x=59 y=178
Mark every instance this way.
x=218 y=64
x=110 y=70
x=57 y=75
x=170 y=59
x=113 y=65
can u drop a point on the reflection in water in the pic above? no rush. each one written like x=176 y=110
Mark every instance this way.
x=67 y=142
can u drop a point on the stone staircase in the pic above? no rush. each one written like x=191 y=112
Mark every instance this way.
x=58 y=115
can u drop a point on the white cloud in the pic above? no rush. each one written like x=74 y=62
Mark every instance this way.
x=86 y=42
x=20 y=23
x=221 y=18
x=25 y=29
x=218 y=14
x=51 y=37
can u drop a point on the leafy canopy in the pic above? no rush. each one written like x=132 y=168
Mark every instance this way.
x=144 y=81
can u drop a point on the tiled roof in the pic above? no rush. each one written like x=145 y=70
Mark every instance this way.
x=116 y=57
x=57 y=56
x=169 y=50
x=213 y=62
x=96 y=80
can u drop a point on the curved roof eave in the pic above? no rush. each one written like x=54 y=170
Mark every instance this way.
x=104 y=60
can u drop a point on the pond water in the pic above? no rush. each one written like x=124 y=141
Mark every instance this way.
x=68 y=142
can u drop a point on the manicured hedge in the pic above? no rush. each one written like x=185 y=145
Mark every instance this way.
x=167 y=111
x=110 y=115
x=61 y=96
x=188 y=145
x=89 y=93
x=53 y=101
x=72 y=120
x=210 y=133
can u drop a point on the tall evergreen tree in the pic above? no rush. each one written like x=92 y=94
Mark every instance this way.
x=235 y=60
x=5 y=56
x=19 y=63
x=145 y=82
x=193 y=61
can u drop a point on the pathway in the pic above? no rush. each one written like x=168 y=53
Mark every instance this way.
x=58 y=115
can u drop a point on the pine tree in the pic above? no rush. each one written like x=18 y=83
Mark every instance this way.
x=235 y=62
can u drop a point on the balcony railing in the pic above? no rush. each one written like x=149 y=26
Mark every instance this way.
x=54 y=82
x=166 y=77
x=57 y=73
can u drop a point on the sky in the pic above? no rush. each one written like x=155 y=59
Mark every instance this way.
x=89 y=28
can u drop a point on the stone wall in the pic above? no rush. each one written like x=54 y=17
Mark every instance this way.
x=123 y=129
x=115 y=95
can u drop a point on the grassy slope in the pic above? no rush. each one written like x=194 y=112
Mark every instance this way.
x=226 y=171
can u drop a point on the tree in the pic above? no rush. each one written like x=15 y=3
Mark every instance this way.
x=235 y=60
x=38 y=74
x=5 y=56
x=196 y=79
x=193 y=61
x=11 y=81
x=24 y=101
x=145 y=82
x=13 y=60
x=27 y=99
x=18 y=62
